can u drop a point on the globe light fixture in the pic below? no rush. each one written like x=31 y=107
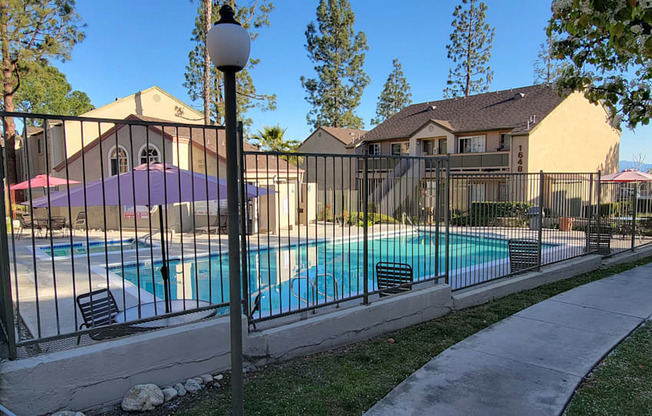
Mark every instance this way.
x=228 y=45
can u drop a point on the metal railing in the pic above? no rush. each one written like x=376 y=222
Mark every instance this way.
x=145 y=219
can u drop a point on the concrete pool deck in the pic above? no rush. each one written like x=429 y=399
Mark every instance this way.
x=531 y=362
x=58 y=314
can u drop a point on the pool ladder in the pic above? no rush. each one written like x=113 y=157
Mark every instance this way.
x=315 y=285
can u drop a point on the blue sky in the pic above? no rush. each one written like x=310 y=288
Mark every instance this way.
x=133 y=45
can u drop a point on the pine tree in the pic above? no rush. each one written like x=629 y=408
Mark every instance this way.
x=29 y=32
x=546 y=68
x=251 y=17
x=338 y=54
x=395 y=96
x=470 y=49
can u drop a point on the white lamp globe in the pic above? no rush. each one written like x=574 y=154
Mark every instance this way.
x=228 y=43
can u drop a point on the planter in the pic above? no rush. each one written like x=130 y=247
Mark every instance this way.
x=565 y=223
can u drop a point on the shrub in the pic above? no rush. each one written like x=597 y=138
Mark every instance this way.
x=482 y=214
x=357 y=218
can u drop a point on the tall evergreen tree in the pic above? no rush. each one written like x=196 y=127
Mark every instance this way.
x=470 y=49
x=338 y=54
x=546 y=68
x=29 y=32
x=396 y=95
x=252 y=17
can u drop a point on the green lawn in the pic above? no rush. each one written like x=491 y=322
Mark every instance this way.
x=349 y=380
x=622 y=383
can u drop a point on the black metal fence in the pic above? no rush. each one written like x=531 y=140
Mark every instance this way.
x=138 y=240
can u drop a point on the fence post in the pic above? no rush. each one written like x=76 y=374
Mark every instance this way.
x=634 y=209
x=589 y=215
x=6 y=299
x=599 y=213
x=447 y=218
x=365 y=243
x=243 y=223
x=540 y=221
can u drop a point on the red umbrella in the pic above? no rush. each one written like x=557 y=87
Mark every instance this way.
x=41 y=181
x=628 y=175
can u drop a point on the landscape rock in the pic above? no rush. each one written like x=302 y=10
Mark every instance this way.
x=180 y=389
x=218 y=377
x=199 y=380
x=142 y=397
x=192 y=386
x=68 y=413
x=207 y=378
x=217 y=385
x=170 y=393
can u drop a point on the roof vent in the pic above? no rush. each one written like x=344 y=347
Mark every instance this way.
x=432 y=107
x=519 y=95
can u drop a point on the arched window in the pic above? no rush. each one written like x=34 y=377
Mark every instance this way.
x=149 y=154
x=119 y=163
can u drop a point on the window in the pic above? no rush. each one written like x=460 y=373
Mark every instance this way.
x=402 y=148
x=149 y=154
x=443 y=146
x=374 y=149
x=504 y=141
x=38 y=146
x=472 y=144
x=118 y=161
x=428 y=147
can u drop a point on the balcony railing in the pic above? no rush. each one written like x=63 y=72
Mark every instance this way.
x=480 y=161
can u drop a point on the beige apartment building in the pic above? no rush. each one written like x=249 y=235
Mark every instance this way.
x=91 y=150
x=520 y=130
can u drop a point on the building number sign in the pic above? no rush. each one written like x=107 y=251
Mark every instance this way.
x=519 y=161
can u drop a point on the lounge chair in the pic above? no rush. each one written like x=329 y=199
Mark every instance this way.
x=393 y=278
x=219 y=224
x=80 y=221
x=523 y=254
x=56 y=224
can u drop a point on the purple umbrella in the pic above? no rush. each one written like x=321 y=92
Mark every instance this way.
x=156 y=184
x=153 y=184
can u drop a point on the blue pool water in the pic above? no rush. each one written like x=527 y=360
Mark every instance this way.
x=304 y=275
x=93 y=247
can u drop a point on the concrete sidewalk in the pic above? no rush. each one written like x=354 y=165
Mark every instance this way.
x=531 y=362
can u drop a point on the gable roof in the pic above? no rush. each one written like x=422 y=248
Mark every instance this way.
x=213 y=139
x=500 y=110
x=344 y=135
x=155 y=88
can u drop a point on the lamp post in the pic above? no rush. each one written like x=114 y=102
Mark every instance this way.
x=228 y=45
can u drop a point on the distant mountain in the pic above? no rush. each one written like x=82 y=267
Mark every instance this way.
x=625 y=164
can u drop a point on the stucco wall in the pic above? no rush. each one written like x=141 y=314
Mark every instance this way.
x=332 y=172
x=575 y=137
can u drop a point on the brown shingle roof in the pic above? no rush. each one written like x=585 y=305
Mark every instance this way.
x=346 y=136
x=508 y=109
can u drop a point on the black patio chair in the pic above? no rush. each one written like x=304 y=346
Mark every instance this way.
x=393 y=278
x=99 y=309
x=599 y=238
x=523 y=254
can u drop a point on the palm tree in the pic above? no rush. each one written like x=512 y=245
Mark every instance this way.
x=270 y=138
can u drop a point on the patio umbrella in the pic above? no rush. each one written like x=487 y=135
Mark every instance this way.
x=153 y=184
x=628 y=175
x=41 y=181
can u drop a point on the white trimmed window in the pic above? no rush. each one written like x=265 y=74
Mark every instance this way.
x=374 y=149
x=118 y=161
x=473 y=144
x=149 y=154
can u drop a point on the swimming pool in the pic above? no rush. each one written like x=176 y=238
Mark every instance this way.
x=303 y=275
x=64 y=251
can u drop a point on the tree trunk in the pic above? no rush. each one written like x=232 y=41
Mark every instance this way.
x=208 y=16
x=8 y=85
